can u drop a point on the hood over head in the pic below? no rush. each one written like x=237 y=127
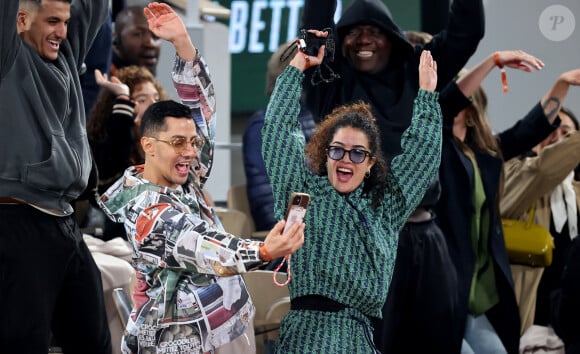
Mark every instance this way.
x=376 y=13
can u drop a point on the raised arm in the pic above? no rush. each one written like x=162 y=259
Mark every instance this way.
x=282 y=137
x=541 y=120
x=318 y=14
x=113 y=153
x=553 y=100
x=515 y=59
x=9 y=40
x=415 y=168
x=455 y=96
x=166 y=24
x=453 y=46
x=528 y=179
x=528 y=131
x=87 y=16
x=191 y=79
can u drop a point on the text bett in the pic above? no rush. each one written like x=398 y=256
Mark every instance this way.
x=247 y=25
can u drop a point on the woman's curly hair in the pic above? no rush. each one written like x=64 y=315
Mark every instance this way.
x=358 y=116
x=131 y=76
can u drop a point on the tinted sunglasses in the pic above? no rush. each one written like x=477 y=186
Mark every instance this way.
x=181 y=144
x=355 y=155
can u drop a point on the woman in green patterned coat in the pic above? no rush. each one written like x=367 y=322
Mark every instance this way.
x=343 y=271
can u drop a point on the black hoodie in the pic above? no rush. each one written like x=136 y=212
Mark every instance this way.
x=392 y=91
x=376 y=13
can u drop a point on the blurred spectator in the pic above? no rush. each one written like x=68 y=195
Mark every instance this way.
x=566 y=301
x=544 y=177
x=113 y=131
x=468 y=212
x=133 y=42
x=99 y=57
x=259 y=191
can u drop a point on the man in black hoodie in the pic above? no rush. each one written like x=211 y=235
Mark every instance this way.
x=378 y=65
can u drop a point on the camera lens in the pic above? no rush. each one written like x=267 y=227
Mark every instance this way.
x=296 y=200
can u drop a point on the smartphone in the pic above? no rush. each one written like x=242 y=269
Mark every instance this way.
x=296 y=209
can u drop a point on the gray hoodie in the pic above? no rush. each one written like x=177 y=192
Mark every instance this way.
x=44 y=153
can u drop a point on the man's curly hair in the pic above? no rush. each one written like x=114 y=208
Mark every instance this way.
x=357 y=116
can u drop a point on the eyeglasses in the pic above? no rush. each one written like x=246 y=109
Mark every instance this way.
x=355 y=155
x=181 y=144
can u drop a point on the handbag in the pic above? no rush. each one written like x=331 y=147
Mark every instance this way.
x=528 y=243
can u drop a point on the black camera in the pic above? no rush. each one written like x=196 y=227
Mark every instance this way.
x=310 y=44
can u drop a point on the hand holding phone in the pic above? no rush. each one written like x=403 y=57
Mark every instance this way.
x=294 y=214
x=296 y=209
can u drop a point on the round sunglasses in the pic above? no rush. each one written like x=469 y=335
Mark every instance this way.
x=355 y=155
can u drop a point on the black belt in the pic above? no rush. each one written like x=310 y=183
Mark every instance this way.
x=325 y=304
x=316 y=303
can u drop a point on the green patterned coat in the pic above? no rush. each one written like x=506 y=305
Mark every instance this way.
x=350 y=248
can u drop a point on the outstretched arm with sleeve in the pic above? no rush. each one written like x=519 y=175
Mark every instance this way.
x=191 y=79
x=10 y=42
x=166 y=233
x=541 y=120
x=453 y=46
x=282 y=138
x=528 y=179
x=414 y=169
x=87 y=16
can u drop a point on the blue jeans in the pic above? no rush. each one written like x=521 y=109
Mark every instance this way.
x=480 y=337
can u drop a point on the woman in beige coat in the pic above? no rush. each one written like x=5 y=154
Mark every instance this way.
x=545 y=178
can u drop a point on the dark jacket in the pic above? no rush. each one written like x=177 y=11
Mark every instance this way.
x=566 y=302
x=98 y=57
x=455 y=209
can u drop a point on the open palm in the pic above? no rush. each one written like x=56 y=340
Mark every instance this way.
x=163 y=21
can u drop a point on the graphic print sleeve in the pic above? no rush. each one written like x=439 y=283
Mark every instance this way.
x=195 y=89
x=165 y=235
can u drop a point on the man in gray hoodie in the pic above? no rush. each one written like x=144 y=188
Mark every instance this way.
x=48 y=279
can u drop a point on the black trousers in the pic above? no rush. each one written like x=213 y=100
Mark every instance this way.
x=419 y=314
x=49 y=282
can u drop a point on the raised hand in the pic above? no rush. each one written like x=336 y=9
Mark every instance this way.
x=114 y=85
x=518 y=59
x=571 y=77
x=427 y=72
x=304 y=61
x=164 y=22
x=554 y=99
